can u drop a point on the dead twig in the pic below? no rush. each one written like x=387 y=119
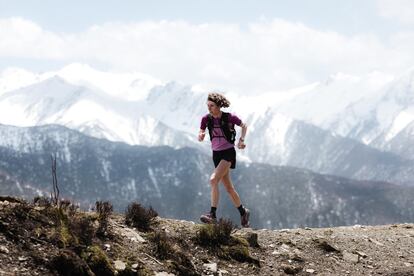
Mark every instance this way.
x=152 y=258
x=55 y=195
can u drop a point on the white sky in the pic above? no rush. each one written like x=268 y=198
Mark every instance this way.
x=241 y=46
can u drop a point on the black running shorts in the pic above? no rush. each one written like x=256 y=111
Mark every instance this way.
x=227 y=154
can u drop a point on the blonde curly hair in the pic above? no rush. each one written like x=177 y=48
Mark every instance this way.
x=218 y=99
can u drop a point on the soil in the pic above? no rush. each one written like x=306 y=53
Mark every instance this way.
x=28 y=246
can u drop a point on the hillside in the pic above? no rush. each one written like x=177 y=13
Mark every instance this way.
x=39 y=239
x=175 y=182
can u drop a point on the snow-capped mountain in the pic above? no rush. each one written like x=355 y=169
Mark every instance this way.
x=303 y=145
x=15 y=78
x=374 y=110
x=54 y=101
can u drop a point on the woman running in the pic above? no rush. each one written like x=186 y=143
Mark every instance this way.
x=222 y=135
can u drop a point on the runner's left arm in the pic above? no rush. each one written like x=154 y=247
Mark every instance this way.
x=244 y=131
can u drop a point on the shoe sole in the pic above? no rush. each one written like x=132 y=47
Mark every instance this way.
x=248 y=222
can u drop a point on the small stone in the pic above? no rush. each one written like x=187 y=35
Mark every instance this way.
x=271 y=245
x=350 y=257
x=362 y=254
x=4 y=249
x=22 y=259
x=134 y=266
x=307 y=228
x=310 y=270
x=119 y=265
x=408 y=264
x=324 y=244
x=376 y=242
x=328 y=232
x=211 y=267
x=107 y=246
x=297 y=256
x=285 y=247
x=165 y=229
x=290 y=269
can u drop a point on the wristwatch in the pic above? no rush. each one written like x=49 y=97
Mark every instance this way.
x=241 y=139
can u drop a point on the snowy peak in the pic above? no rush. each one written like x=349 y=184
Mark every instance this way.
x=128 y=86
x=15 y=78
x=35 y=104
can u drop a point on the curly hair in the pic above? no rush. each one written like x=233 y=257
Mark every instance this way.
x=218 y=99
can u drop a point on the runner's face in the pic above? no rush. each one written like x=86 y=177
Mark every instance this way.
x=212 y=107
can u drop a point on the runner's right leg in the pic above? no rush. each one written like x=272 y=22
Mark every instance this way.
x=215 y=178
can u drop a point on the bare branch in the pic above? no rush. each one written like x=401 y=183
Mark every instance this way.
x=55 y=194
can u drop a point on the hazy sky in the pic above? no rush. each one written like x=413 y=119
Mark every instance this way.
x=257 y=46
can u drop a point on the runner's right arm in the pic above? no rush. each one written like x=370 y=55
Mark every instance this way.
x=201 y=134
x=203 y=126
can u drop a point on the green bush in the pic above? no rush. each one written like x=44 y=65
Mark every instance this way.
x=67 y=263
x=163 y=248
x=104 y=210
x=42 y=201
x=82 y=229
x=139 y=216
x=97 y=260
x=215 y=234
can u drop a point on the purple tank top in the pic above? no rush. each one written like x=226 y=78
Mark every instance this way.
x=219 y=142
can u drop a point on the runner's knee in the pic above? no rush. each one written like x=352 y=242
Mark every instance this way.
x=214 y=180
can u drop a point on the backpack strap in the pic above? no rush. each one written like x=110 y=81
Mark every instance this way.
x=228 y=129
x=210 y=125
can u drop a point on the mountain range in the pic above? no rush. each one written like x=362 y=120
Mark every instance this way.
x=355 y=127
x=175 y=182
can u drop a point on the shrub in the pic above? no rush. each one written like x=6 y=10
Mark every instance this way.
x=97 y=260
x=162 y=246
x=67 y=263
x=82 y=229
x=104 y=210
x=68 y=207
x=215 y=234
x=139 y=216
x=42 y=201
x=164 y=249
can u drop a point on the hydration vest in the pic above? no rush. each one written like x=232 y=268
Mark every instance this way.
x=226 y=127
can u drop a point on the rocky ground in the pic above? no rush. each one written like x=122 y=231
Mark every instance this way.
x=38 y=239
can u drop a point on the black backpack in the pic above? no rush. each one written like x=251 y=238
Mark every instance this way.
x=227 y=128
